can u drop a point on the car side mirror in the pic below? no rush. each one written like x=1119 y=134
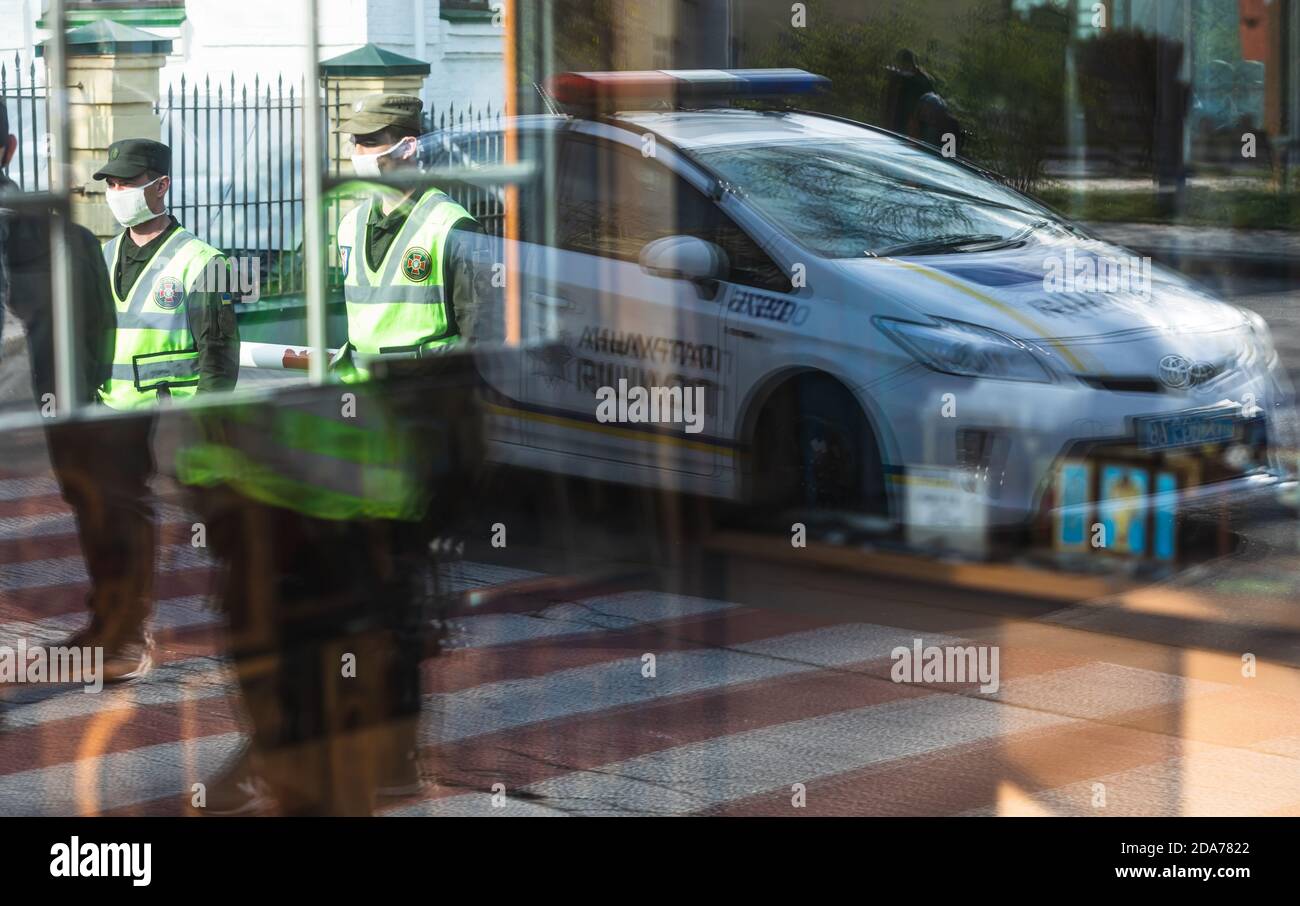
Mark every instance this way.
x=685 y=258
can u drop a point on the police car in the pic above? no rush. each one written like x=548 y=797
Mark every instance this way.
x=873 y=326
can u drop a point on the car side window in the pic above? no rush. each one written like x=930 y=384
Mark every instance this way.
x=614 y=200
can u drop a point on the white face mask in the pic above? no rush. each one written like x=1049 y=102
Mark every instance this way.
x=367 y=165
x=129 y=206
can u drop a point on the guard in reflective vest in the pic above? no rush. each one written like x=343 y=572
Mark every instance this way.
x=407 y=258
x=176 y=330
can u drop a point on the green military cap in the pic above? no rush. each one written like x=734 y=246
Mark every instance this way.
x=377 y=111
x=130 y=157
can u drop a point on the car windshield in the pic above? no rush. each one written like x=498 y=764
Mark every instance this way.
x=847 y=198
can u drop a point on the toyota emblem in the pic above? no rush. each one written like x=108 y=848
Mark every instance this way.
x=1175 y=371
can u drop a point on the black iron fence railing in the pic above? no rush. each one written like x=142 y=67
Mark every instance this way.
x=237 y=168
x=237 y=161
x=24 y=101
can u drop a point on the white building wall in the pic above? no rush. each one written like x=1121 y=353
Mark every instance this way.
x=468 y=66
x=263 y=38
x=256 y=37
x=246 y=37
x=17 y=29
x=466 y=59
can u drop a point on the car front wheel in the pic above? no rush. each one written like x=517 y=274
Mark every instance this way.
x=814 y=450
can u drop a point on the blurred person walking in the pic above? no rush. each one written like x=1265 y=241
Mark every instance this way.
x=340 y=565
x=317 y=502
x=95 y=470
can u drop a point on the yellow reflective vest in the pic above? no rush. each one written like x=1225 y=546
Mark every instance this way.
x=398 y=308
x=313 y=452
x=154 y=345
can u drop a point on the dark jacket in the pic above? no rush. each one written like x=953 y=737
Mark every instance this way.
x=903 y=93
x=25 y=247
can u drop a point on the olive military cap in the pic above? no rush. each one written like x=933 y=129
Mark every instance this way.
x=130 y=157
x=378 y=111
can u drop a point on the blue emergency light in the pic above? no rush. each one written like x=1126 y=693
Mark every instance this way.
x=675 y=87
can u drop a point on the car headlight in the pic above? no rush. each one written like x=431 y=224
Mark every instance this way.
x=1263 y=336
x=955 y=347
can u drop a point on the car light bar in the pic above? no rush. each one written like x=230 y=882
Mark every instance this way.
x=675 y=86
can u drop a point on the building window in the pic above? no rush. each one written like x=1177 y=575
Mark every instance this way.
x=469 y=10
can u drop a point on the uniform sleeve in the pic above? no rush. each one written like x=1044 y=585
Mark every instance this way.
x=466 y=273
x=211 y=316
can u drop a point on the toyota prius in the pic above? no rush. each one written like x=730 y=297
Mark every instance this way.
x=871 y=327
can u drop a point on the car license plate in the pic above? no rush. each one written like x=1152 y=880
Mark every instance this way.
x=1167 y=432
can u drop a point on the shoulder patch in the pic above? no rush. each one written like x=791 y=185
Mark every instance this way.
x=345 y=259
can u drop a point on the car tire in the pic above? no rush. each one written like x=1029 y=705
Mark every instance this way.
x=814 y=450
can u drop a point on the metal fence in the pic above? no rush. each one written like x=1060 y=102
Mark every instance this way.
x=480 y=133
x=237 y=168
x=237 y=174
x=24 y=100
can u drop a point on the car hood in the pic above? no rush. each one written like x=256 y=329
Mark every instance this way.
x=1152 y=324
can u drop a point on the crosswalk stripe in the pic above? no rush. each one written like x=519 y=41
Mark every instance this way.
x=186 y=612
x=804 y=651
x=493 y=707
x=18 y=488
x=43 y=525
x=704 y=775
x=70 y=570
x=701 y=775
x=116 y=780
x=614 y=612
x=207 y=677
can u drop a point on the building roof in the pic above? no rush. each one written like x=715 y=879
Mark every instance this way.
x=373 y=60
x=108 y=37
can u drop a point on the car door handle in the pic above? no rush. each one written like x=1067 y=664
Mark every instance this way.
x=545 y=315
x=557 y=302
